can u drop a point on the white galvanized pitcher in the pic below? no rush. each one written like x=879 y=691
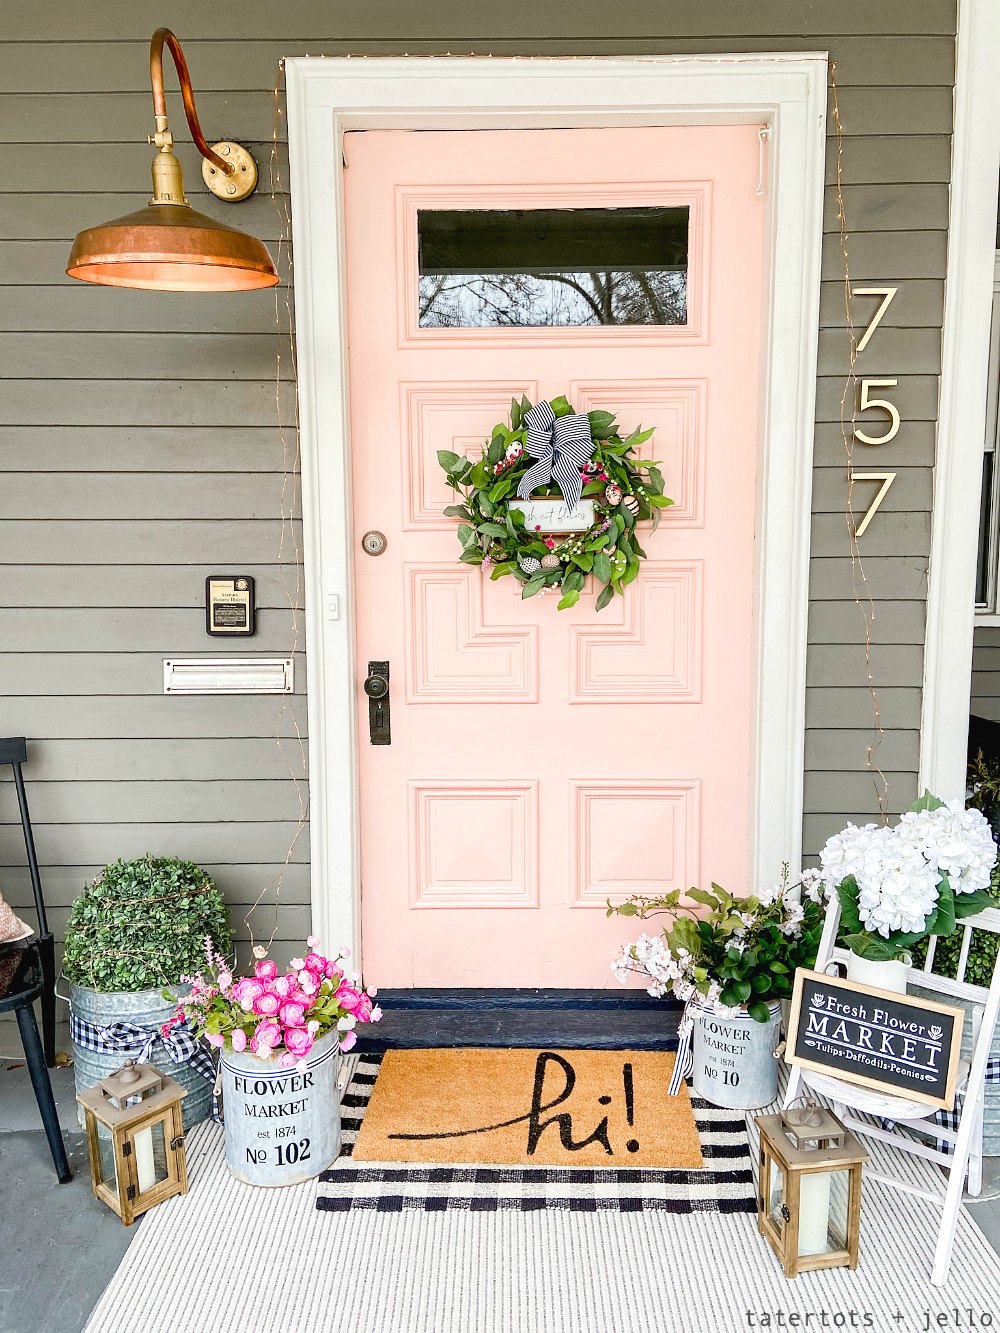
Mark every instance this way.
x=734 y=1062
x=282 y=1125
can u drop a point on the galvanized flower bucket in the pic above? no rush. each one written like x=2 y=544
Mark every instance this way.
x=734 y=1062
x=145 y=1009
x=282 y=1125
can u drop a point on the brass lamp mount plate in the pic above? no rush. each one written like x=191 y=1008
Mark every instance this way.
x=242 y=183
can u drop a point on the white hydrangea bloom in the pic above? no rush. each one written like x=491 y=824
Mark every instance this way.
x=955 y=841
x=844 y=854
x=897 y=888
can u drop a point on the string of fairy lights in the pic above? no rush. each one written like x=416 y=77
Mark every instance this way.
x=860 y=587
x=289 y=555
x=293 y=746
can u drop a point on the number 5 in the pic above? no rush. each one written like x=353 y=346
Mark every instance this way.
x=886 y=406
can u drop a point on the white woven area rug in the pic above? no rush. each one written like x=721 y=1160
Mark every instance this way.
x=229 y=1258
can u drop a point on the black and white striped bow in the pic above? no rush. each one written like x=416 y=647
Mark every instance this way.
x=561 y=445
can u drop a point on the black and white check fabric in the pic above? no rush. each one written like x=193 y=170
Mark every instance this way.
x=950 y=1119
x=723 y=1185
x=136 y=1043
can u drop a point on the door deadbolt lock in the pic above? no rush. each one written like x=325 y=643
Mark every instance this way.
x=377 y=688
x=374 y=542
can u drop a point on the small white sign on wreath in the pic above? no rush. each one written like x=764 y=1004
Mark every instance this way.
x=555 y=515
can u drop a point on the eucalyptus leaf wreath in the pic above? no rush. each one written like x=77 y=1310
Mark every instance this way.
x=550 y=450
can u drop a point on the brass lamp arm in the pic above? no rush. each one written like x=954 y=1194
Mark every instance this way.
x=164 y=37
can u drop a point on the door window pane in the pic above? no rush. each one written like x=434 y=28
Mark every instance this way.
x=539 y=267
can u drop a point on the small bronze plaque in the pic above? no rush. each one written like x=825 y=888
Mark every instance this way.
x=229 y=604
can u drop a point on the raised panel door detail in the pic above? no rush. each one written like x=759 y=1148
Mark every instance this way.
x=452 y=416
x=453 y=654
x=633 y=837
x=473 y=844
x=676 y=410
x=649 y=650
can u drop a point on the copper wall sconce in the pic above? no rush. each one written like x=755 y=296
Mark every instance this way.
x=167 y=246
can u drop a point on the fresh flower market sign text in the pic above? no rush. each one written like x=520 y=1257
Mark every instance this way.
x=896 y=1044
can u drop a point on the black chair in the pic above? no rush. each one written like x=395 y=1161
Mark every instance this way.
x=28 y=973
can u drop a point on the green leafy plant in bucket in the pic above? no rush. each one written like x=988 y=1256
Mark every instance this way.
x=142 y=924
x=731 y=952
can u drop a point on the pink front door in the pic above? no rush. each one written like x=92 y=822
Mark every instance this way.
x=544 y=761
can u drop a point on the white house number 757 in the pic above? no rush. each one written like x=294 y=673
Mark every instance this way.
x=868 y=401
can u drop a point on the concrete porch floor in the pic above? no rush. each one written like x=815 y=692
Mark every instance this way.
x=59 y=1246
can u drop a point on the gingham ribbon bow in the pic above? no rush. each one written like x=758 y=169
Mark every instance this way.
x=684 y=1060
x=561 y=445
x=137 y=1043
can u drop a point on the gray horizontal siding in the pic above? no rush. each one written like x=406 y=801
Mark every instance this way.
x=139 y=449
x=985 y=701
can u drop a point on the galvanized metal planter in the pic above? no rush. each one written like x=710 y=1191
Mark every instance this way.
x=734 y=1062
x=145 y=1009
x=282 y=1125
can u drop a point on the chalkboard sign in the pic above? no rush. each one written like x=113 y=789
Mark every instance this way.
x=899 y=1044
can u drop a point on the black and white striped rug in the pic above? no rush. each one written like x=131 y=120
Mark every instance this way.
x=723 y=1185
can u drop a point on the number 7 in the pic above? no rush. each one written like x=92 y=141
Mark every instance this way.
x=887 y=293
x=886 y=478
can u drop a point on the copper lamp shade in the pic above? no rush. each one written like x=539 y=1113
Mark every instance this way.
x=170 y=247
x=167 y=246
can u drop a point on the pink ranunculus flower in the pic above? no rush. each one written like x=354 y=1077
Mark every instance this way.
x=246 y=991
x=266 y=1036
x=215 y=1039
x=348 y=998
x=315 y=962
x=298 y=996
x=312 y=941
x=225 y=980
x=292 y=1014
x=296 y=964
x=363 y=1012
x=376 y=1016
x=266 y=970
x=239 y=1039
x=267 y=1004
x=287 y=1060
x=348 y=1039
x=312 y=1027
x=298 y=1041
x=282 y=985
x=331 y=970
x=308 y=982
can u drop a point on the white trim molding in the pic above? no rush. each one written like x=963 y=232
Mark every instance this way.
x=972 y=221
x=329 y=96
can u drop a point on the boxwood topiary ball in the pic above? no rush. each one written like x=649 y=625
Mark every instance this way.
x=142 y=925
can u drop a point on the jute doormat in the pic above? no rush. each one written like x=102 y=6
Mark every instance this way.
x=723 y=1184
x=529 y=1108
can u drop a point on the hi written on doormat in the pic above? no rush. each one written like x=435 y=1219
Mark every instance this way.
x=529 y=1129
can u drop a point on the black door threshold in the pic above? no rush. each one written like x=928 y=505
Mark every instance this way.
x=575 y=1019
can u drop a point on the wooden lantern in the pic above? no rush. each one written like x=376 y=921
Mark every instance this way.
x=809 y=1190
x=135 y=1135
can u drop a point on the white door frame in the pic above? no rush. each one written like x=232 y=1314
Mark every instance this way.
x=965 y=350
x=329 y=96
